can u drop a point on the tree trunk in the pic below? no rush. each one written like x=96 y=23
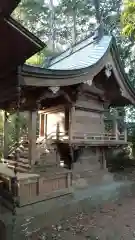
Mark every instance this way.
x=52 y=25
x=74 y=26
x=97 y=9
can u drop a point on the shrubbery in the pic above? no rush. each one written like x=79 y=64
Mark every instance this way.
x=120 y=159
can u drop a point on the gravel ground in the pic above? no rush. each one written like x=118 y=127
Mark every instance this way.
x=111 y=222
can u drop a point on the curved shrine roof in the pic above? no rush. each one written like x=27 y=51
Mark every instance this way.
x=83 y=55
x=80 y=64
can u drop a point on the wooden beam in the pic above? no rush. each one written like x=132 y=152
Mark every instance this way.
x=42 y=125
x=7 y=7
x=54 y=109
x=50 y=82
x=8 y=96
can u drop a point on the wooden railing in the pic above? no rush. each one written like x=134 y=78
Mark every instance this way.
x=46 y=142
x=98 y=137
x=77 y=136
x=54 y=135
x=13 y=147
x=112 y=114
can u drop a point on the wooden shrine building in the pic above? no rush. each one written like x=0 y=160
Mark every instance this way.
x=72 y=97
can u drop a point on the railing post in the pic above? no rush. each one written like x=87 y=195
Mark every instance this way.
x=45 y=126
x=57 y=131
x=125 y=134
x=42 y=125
x=115 y=129
x=71 y=122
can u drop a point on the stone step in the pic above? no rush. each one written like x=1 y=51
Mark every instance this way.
x=24 y=155
x=23 y=160
x=20 y=163
x=19 y=169
x=23 y=165
x=25 y=149
x=21 y=150
x=12 y=156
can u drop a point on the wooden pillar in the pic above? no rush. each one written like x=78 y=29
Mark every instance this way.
x=42 y=125
x=66 y=120
x=57 y=131
x=46 y=126
x=5 y=135
x=32 y=137
x=71 y=122
x=115 y=129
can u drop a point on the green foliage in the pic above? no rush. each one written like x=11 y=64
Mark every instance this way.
x=30 y=13
x=120 y=159
x=12 y=134
x=70 y=21
x=36 y=59
x=128 y=18
x=1 y=121
x=131 y=135
x=40 y=17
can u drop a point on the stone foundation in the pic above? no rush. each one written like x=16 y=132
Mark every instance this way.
x=89 y=160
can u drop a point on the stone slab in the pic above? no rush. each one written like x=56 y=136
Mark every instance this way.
x=7 y=172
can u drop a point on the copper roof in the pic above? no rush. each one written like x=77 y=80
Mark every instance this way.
x=82 y=55
x=80 y=64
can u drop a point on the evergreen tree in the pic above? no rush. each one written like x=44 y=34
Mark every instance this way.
x=128 y=18
x=70 y=21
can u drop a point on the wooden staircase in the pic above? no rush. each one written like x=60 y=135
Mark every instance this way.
x=23 y=163
x=47 y=155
